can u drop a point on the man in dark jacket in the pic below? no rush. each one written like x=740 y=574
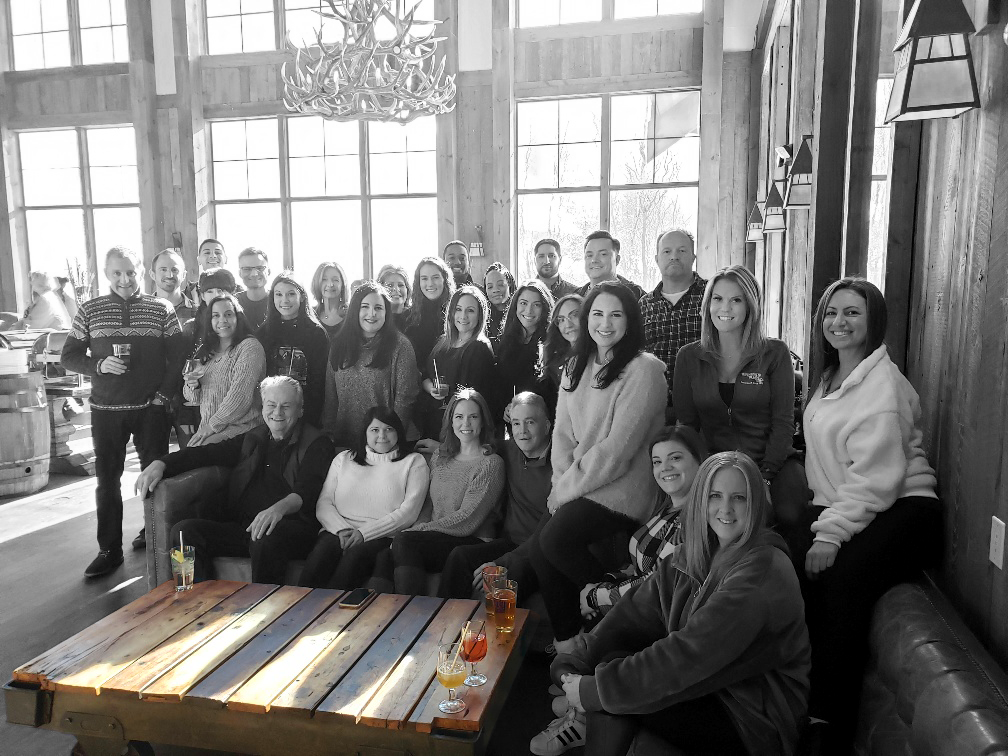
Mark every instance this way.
x=131 y=345
x=277 y=472
x=601 y=257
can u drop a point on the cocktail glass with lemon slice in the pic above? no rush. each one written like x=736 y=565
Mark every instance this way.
x=183 y=564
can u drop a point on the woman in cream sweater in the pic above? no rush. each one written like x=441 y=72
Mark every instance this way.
x=612 y=402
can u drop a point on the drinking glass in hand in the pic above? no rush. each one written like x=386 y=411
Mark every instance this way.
x=505 y=595
x=451 y=672
x=474 y=649
x=490 y=573
x=122 y=351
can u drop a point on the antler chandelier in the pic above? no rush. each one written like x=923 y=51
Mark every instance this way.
x=363 y=77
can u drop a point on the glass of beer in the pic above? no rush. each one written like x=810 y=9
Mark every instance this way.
x=490 y=572
x=451 y=672
x=122 y=351
x=505 y=596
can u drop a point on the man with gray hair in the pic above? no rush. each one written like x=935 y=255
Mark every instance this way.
x=277 y=472
x=132 y=347
x=671 y=312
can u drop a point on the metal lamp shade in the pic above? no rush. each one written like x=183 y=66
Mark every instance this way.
x=754 y=230
x=773 y=216
x=799 y=189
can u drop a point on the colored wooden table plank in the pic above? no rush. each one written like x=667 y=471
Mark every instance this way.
x=499 y=647
x=360 y=684
x=217 y=687
x=182 y=677
x=314 y=681
x=175 y=649
x=395 y=700
x=92 y=639
x=188 y=606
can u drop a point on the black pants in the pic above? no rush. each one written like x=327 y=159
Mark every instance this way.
x=328 y=566
x=457 y=575
x=417 y=552
x=894 y=548
x=701 y=726
x=292 y=538
x=110 y=433
x=563 y=563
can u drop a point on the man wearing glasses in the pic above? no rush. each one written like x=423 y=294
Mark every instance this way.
x=253 y=267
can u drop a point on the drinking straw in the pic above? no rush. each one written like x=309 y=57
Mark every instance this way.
x=481 y=629
x=458 y=648
x=437 y=380
x=181 y=542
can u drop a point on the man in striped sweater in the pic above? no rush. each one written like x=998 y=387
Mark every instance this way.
x=131 y=345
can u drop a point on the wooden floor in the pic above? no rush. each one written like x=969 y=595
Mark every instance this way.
x=45 y=599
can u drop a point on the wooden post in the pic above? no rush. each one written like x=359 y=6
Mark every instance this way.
x=710 y=137
x=14 y=293
x=864 y=80
x=447 y=130
x=504 y=205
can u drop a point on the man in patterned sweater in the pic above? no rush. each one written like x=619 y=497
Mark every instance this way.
x=672 y=311
x=129 y=392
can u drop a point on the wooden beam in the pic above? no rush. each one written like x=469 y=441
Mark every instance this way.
x=608 y=28
x=864 y=84
x=645 y=82
x=447 y=131
x=710 y=136
x=504 y=205
x=14 y=265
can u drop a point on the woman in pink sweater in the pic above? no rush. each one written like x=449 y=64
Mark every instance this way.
x=612 y=402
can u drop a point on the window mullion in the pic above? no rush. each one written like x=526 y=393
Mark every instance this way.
x=365 y=163
x=604 y=214
x=73 y=22
x=286 y=232
x=279 y=24
x=89 y=228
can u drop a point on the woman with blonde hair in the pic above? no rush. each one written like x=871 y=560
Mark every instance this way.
x=397 y=281
x=736 y=386
x=329 y=289
x=46 y=309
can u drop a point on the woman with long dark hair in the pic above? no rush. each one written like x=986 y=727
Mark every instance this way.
x=499 y=286
x=396 y=281
x=561 y=335
x=711 y=652
x=373 y=491
x=370 y=364
x=875 y=518
x=467 y=479
x=518 y=347
x=296 y=344
x=232 y=364
x=330 y=291
x=462 y=357
x=433 y=286
x=736 y=386
x=612 y=402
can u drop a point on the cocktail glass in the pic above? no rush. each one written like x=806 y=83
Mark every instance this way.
x=183 y=565
x=451 y=672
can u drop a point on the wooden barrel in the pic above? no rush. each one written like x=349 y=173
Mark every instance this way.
x=24 y=434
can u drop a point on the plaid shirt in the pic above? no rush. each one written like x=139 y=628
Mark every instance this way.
x=668 y=327
x=561 y=288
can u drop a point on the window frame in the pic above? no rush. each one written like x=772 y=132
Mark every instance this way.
x=74 y=31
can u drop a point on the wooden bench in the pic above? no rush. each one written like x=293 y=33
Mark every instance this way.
x=262 y=669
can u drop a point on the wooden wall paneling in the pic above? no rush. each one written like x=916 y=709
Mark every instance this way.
x=857 y=217
x=13 y=237
x=756 y=106
x=726 y=199
x=739 y=178
x=710 y=136
x=193 y=128
x=503 y=86
x=447 y=132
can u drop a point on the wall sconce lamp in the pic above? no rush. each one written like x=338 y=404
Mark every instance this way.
x=773 y=215
x=754 y=230
x=799 y=186
x=934 y=68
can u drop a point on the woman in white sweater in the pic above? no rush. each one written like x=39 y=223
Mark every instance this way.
x=372 y=492
x=612 y=402
x=876 y=518
x=226 y=382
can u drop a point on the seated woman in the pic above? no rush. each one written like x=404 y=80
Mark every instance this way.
x=463 y=358
x=373 y=491
x=499 y=285
x=329 y=289
x=295 y=343
x=711 y=652
x=433 y=286
x=467 y=479
x=46 y=310
x=612 y=402
x=395 y=279
x=736 y=386
x=225 y=385
x=518 y=348
x=676 y=456
x=370 y=364
x=876 y=518
x=558 y=346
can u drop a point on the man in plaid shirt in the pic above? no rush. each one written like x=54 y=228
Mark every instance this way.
x=672 y=311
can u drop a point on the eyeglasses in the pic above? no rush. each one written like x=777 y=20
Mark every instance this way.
x=254 y=269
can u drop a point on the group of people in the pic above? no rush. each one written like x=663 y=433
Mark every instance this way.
x=627 y=454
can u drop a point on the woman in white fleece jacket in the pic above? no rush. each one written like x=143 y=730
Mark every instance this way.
x=876 y=518
x=373 y=491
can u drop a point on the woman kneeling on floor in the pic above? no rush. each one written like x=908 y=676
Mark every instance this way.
x=711 y=652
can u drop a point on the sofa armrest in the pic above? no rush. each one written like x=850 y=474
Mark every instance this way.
x=176 y=499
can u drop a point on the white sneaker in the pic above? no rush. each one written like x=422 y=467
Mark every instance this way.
x=560 y=735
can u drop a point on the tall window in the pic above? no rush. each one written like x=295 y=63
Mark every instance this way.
x=235 y=26
x=103 y=31
x=80 y=195
x=305 y=191
x=637 y=8
x=551 y=12
x=638 y=169
x=878 y=223
x=40 y=31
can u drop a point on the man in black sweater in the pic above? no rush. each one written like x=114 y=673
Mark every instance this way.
x=131 y=345
x=277 y=472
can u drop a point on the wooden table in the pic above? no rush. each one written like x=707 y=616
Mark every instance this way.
x=262 y=669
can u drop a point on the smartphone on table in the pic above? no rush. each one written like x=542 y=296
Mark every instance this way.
x=356 y=598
